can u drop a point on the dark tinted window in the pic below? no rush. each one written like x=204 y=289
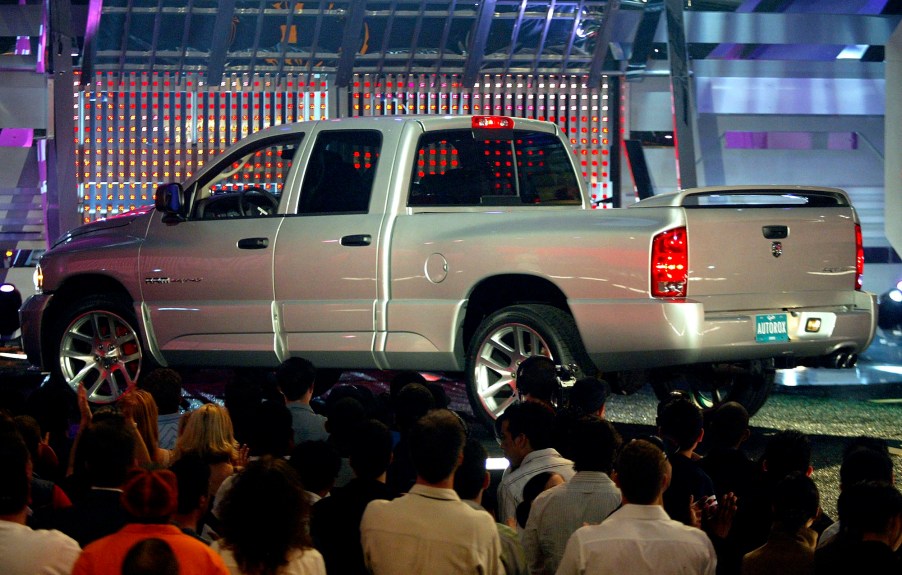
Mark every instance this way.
x=339 y=176
x=455 y=169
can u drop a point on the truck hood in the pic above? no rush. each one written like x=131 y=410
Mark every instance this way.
x=117 y=221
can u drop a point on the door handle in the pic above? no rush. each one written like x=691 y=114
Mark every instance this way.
x=357 y=240
x=253 y=243
x=775 y=232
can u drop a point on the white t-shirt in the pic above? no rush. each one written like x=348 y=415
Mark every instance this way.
x=26 y=551
x=300 y=561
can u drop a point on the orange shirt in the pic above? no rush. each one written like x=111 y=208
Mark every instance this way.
x=105 y=556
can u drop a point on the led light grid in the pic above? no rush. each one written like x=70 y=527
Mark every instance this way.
x=137 y=131
x=580 y=111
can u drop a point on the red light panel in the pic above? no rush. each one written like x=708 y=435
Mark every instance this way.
x=859 y=258
x=493 y=122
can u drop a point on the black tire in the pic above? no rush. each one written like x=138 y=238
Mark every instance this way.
x=507 y=337
x=709 y=385
x=96 y=341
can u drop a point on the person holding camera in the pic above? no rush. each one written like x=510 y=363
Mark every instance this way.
x=524 y=432
x=537 y=381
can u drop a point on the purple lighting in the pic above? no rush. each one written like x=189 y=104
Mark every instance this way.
x=737 y=140
x=16 y=137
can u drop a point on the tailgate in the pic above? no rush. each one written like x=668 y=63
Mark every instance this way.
x=766 y=249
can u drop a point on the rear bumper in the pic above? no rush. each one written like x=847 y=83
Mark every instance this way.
x=31 y=316
x=653 y=333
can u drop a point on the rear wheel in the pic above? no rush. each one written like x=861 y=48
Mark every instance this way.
x=507 y=337
x=709 y=385
x=96 y=342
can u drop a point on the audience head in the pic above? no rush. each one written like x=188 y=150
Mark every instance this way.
x=139 y=406
x=796 y=501
x=272 y=485
x=30 y=432
x=8 y=423
x=524 y=428
x=413 y=401
x=295 y=377
x=471 y=478
x=867 y=442
x=440 y=397
x=193 y=477
x=51 y=406
x=680 y=421
x=642 y=472
x=728 y=425
x=242 y=393
x=151 y=556
x=343 y=416
x=401 y=379
x=107 y=448
x=537 y=484
x=360 y=393
x=317 y=464
x=371 y=450
x=865 y=464
x=593 y=444
x=588 y=396
x=785 y=452
x=165 y=385
x=536 y=379
x=271 y=432
x=208 y=432
x=150 y=496
x=436 y=445
x=14 y=474
x=12 y=401
x=871 y=509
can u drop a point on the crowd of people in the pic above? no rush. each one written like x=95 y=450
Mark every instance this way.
x=275 y=482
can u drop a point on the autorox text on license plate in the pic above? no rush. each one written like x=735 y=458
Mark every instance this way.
x=771 y=327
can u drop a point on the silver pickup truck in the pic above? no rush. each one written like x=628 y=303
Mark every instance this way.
x=455 y=244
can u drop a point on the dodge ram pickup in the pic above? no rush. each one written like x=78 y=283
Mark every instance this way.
x=452 y=244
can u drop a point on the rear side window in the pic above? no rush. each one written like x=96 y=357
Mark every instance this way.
x=455 y=169
x=339 y=175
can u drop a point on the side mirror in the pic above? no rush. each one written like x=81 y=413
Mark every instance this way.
x=168 y=198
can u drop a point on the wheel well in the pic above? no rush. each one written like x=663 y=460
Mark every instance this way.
x=494 y=293
x=75 y=288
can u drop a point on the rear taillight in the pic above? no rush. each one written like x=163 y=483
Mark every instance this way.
x=859 y=258
x=670 y=263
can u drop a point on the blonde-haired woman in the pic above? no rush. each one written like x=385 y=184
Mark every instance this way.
x=208 y=433
x=139 y=407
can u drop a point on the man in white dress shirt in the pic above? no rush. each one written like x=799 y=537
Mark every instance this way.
x=639 y=538
x=429 y=530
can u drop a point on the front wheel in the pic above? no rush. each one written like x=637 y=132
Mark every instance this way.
x=507 y=337
x=709 y=385
x=96 y=342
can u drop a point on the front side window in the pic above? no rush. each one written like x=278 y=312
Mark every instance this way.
x=454 y=168
x=249 y=182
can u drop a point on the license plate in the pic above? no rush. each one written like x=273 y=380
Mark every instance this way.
x=771 y=327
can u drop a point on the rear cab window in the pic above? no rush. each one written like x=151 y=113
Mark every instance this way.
x=457 y=168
